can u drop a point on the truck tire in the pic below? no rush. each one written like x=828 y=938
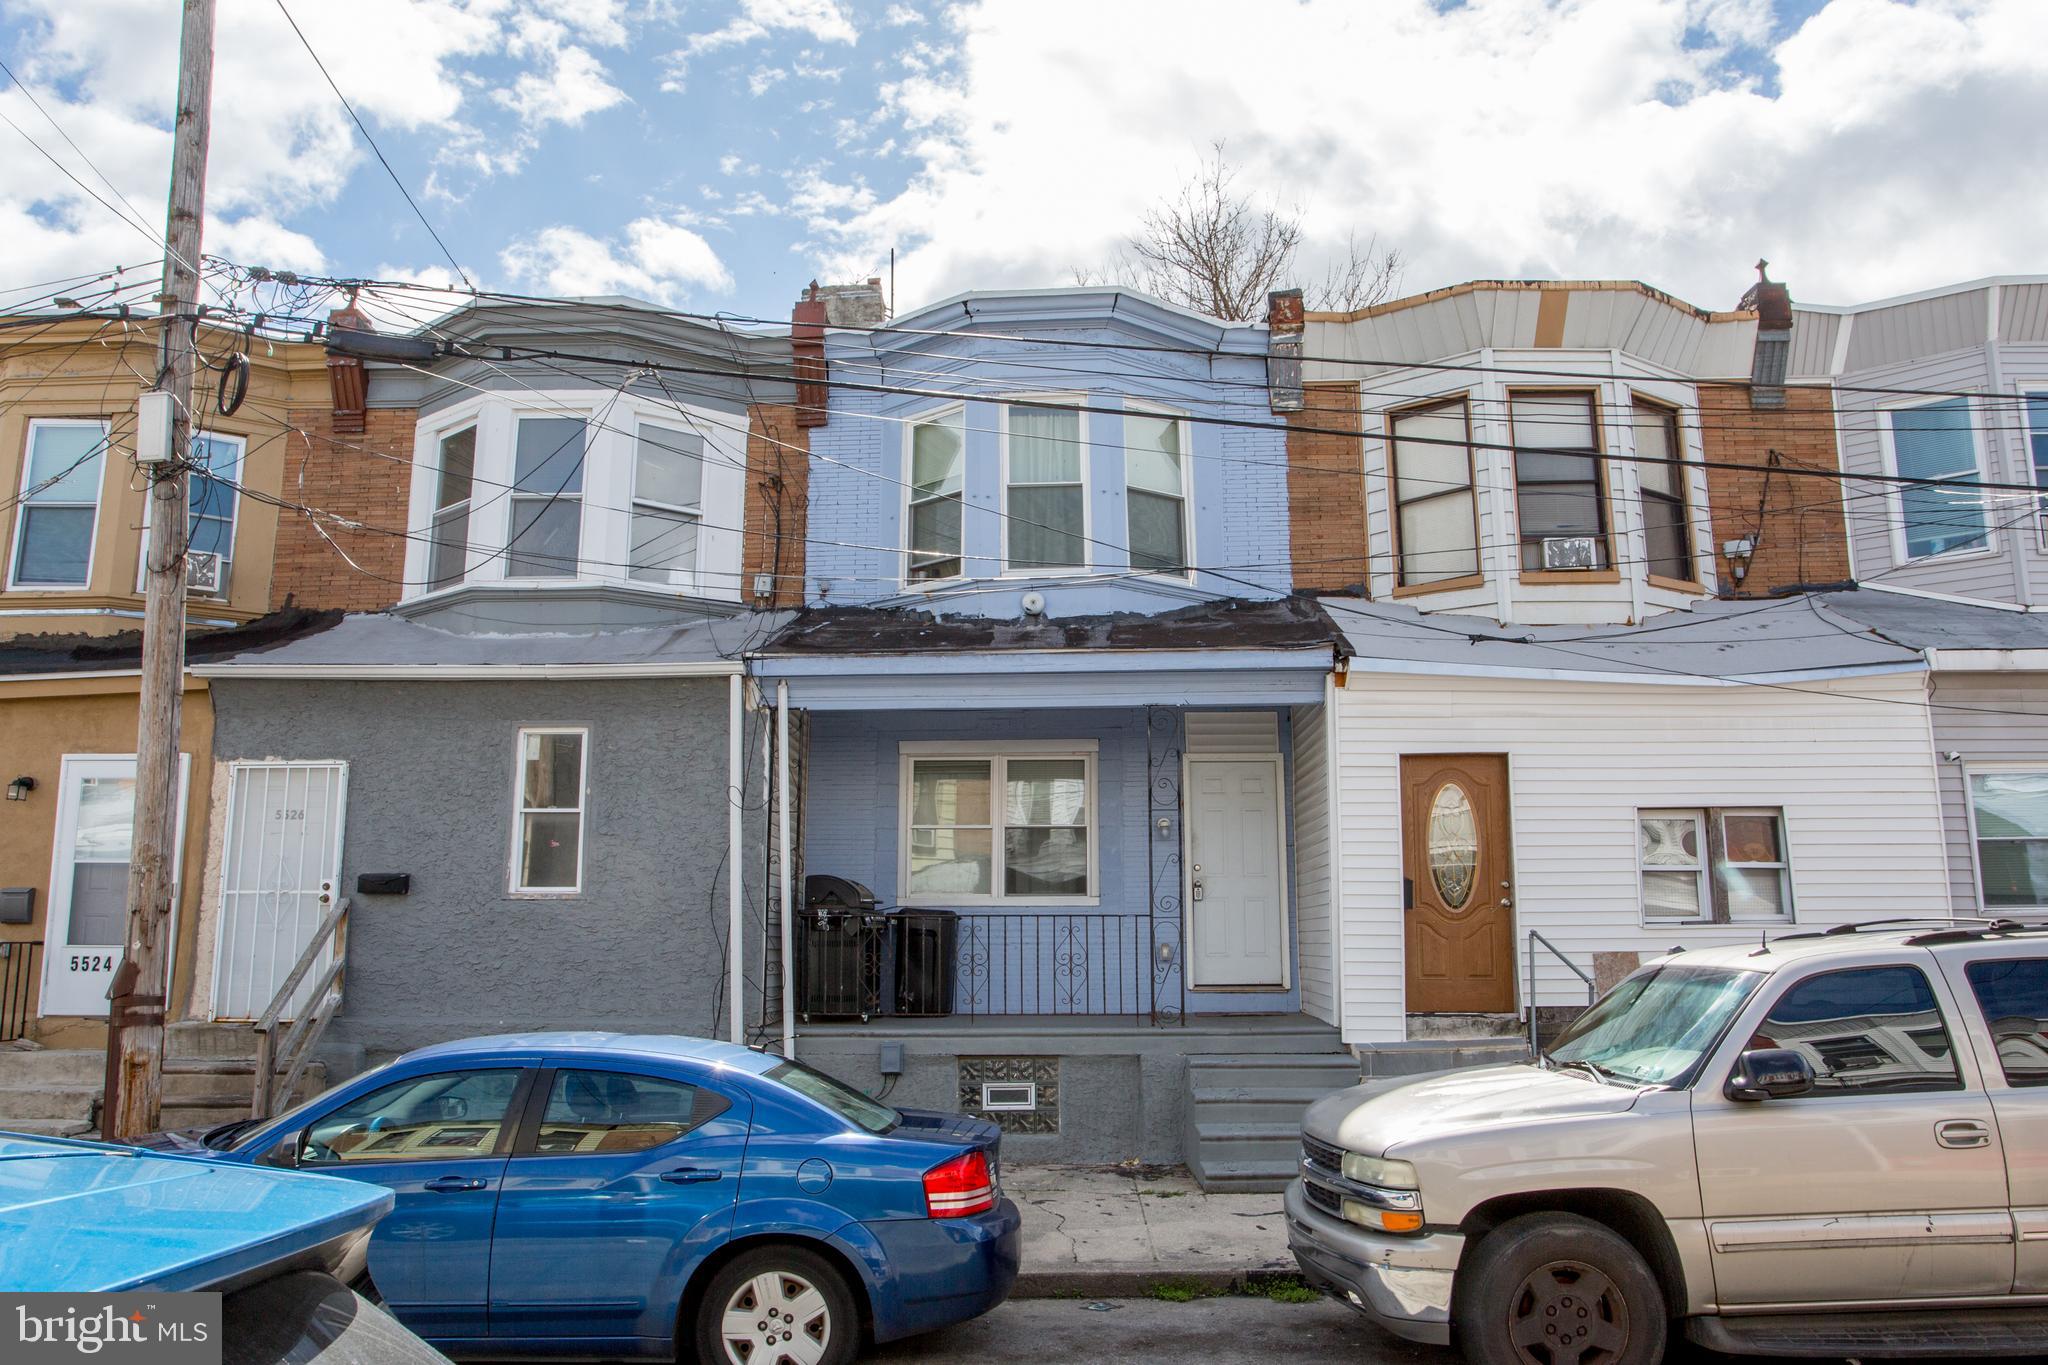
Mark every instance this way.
x=777 y=1304
x=1557 y=1289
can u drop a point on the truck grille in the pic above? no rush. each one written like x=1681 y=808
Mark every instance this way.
x=1323 y=1154
x=1325 y=1199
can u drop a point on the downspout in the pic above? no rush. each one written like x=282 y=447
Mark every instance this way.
x=782 y=866
x=1331 y=750
x=736 y=792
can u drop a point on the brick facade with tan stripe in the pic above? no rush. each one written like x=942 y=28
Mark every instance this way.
x=1326 y=491
x=777 y=505
x=1796 y=521
x=365 y=476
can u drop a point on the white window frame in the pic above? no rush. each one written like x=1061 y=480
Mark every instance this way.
x=436 y=509
x=21 y=504
x=1970 y=773
x=1187 y=489
x=592 y=430
x=1709 y=824
x=909 y=481
x=692 y=577
x=996 y=753
x=1077 y=402
x=520 y=810
x=1895 y=498
x=234 y=516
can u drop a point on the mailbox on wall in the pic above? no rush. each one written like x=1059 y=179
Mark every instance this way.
x=17 y=904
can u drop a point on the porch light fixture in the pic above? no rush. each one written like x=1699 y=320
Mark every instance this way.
x=1165 y=828
x=20 y=787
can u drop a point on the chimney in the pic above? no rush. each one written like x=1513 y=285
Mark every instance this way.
x=1285 y=323
x=1772 y=357
x=807 y=345
x=348 y=383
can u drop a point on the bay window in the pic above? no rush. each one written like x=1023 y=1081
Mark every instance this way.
x=1155 y=463
x=1045 y=500
x=1667 y=522
x=1560 y=489
x=987 y=824
x=668 y=482
x=2010 y=811
x=1935 y=441
x=938 y=467
x=1713 y=866
x=1436 y=529
x=454 y=482
x=547 y=500
x=58 y=510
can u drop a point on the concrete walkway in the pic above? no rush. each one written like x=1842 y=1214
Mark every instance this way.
x=1104 y=1231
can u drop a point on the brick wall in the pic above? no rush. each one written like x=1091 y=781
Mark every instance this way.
x=778 y=503
x=1326 y=491
x=1796 y=521
x=364 y=476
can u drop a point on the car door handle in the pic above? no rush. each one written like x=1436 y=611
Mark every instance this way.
x=690 y=1175
x=450 y=1184
x=1963 y=1133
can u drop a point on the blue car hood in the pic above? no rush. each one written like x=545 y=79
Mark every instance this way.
x=89 y=1216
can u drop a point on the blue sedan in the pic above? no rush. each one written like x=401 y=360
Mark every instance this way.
x=603 y=1194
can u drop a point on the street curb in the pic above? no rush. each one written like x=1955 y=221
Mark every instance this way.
x=1133 y=1282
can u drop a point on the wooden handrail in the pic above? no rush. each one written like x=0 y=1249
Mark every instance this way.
x=307 y=1028
x=329 y=924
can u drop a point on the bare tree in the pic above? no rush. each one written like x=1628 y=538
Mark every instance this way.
x=1216 y=250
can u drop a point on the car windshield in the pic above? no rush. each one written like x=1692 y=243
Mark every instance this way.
x=842 y=1100
x=1655 y=1027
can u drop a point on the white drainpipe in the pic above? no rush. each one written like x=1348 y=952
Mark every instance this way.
x=782 y=865
x=735 y=794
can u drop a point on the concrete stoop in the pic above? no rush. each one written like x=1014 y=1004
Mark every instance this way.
x=1244 y=1114
x=209 y=1077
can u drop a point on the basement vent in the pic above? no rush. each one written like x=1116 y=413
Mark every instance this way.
x=1022 y=1094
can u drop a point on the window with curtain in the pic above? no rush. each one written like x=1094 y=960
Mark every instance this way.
x=2037 y=436
x=1046 y=502
x=1155 y=464
x=1436 y=530
x=546 y=534
x=549 y=847
x=1559 y=494
x=1713 y=866
x=1667 y=526
x=2011 y=812
x=938 y=473
x=986 y=828
x=668 y=505
x=216 y=470
x=59 y=505
x=449 y=537
x=1934 y=441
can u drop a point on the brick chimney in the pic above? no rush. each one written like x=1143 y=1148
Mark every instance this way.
x=347 y=381
x=1286 y=321
x=1772 y=356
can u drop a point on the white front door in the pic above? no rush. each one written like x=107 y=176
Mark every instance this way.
x=280 y=863
x=1237 y=899
x=88 y=915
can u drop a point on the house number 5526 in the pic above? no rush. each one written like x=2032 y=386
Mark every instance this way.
x=288 y=814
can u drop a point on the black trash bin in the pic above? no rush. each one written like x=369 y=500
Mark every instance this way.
x=926 y=947
x=840 y=941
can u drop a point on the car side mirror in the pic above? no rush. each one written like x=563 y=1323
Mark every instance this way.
x=284 y=1152
x=1769 y=1073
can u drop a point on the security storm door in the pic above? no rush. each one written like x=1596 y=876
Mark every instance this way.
x=1237 y=904
x=88 y=929
x=280 y=865
x=1457 y=884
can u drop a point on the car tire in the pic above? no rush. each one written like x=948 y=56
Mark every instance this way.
x=1557 y=1289
x=771 y=1297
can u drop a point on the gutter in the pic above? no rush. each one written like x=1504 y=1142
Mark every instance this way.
x=1988 y=660
x=468 y=672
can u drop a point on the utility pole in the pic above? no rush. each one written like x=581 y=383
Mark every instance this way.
x=135 y=1019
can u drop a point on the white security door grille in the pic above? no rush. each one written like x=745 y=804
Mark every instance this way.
x=280 y=865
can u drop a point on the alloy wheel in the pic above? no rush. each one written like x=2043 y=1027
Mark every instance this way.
x=1568 y=1313
x=776 y=1318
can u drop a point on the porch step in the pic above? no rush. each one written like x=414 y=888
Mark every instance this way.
x=52 y=1066
x=50 y=1127
x=1245 y=1177
x=1244 y=1113
x=1420 y=1057
x=50 y=1090
x=1437 y=1027
x=70 y=1103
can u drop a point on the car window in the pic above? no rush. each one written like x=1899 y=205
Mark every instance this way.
x=2013 y=993
x=446 y=1114
x=1866 y=1030
x=842 y=1100
x=611 y=1111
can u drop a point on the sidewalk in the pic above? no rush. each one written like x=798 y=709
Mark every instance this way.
x=1107 y=1231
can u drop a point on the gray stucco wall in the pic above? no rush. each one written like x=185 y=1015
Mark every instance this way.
x=430 y=788
x=1989 y=719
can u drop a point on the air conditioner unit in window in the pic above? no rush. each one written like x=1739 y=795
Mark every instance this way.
x=205 y=573
x=1571 y=552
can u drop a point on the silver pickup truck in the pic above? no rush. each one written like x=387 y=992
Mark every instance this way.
x=1831 y=1144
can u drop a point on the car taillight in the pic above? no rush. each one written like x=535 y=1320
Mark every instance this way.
x=959 y=1187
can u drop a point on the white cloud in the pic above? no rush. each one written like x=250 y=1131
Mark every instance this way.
x=826 y=21
x=659 y=259
x=764 y=79
x=575 y=86
x=1499 y=137
x=901 y=16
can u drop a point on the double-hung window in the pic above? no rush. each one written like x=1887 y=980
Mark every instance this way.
x=216 y=473
x=984 y=826
x=1934 y=441
x=1560 y=494
x=546 y=535
x=59 y=504
x=938 y=471
x=1667 y=528
x=1436 y=530
x=1713 y=866
x=547 y=839
x=668 y=505
x=448 y=553
x=2037 y=445
x=1155 y=461
x=1045 y=502
x=2011 y=814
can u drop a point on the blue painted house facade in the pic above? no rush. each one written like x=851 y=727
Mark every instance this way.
x=1065 y=762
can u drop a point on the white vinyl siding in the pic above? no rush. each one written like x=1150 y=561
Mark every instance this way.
x=1854 y=778
x=1314 y=929
x=1995 y=722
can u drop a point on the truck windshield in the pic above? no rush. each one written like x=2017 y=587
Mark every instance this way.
x=1654 y=1028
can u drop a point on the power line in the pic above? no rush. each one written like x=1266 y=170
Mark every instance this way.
x=460 y=273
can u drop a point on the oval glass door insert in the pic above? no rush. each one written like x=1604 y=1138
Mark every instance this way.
x=1453 y=848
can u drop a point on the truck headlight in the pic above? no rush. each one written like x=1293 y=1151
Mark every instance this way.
x=1373 y=1170
x=1381 y=1220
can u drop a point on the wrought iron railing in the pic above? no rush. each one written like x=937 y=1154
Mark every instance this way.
x=17 y=987
x=974 y=964
x=1529 y=994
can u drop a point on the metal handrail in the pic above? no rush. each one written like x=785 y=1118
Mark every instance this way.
x=305 y=1031
x=17 y=982
x=1535 y=937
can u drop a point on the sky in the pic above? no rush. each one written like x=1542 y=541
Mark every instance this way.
x=716 y=155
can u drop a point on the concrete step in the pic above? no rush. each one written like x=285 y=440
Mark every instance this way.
x=1417 y=1057
x=1246 y=1177
x=1226 y=1068
x=49 y=1127
x=46 y=1102
x=1441 y=1027
x=1223 y=1144
x=1252 y=1103
x=209 y=1040
x=52 y=1066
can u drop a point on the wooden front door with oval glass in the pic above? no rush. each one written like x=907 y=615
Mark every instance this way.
x=1458 y=883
